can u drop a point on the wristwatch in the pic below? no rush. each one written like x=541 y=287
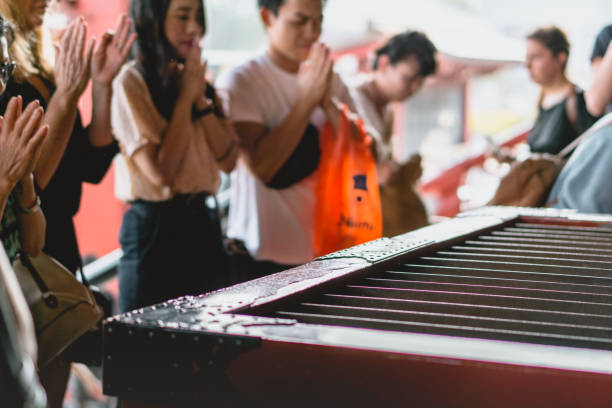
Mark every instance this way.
x=35 y=206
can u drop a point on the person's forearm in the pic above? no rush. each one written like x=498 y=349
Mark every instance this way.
x=5 y=191
x=600 y=93
x=175 y=141
x=222 y=140
x=31 y=220
x=60 y=116
x=275 y=148
x=100 y=133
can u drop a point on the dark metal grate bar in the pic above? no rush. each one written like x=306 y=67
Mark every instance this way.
x=558 y=232
x=551 y=227
x=549 y=246
x=539 y=283
x=509 y=251
x=600 y=264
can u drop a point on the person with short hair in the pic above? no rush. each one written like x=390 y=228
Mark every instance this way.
x=278 y=102
x=401 y=66
x=564 y=110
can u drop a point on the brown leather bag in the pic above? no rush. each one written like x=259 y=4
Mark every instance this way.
x=528 y=182
x=63 y=309
x=402 y=207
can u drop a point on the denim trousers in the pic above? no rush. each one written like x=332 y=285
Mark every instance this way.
x=170 y=249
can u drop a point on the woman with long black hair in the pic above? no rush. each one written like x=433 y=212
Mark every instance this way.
x=174 y=139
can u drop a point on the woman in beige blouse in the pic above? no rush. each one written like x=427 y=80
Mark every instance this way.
x=174 y=139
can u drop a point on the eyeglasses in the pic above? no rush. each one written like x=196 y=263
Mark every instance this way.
x=6 y=70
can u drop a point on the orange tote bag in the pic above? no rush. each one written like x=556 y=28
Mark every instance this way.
x=348 y=210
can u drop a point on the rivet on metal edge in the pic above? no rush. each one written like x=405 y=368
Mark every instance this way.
x=109 y=330
x=150 y=334
x=173 y=336
x=108 y=357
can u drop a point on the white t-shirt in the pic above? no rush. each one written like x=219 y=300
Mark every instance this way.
x=379 y=126
x=275 y=225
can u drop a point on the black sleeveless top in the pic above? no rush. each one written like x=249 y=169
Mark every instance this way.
x=553 y=130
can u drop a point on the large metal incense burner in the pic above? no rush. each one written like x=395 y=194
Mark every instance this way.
x=501 y=307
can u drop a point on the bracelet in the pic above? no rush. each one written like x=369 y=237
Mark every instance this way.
x=35 y=206
x=227 y=152
x=197 y=114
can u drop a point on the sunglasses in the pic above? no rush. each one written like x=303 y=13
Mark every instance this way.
x=6 y=70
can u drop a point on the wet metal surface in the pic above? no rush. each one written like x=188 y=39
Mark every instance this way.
x=487 y=293
x=524 y=282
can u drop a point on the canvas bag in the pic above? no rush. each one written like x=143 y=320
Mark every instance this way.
x=63 y=309
x=348 y=210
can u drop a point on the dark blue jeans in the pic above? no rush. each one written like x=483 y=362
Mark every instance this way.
x=170 y=249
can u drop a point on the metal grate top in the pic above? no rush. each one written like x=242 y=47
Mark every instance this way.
x=527 y=282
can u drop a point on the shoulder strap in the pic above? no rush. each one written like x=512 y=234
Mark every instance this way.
x=48 y=297
x=603 y=122
x=84 y=280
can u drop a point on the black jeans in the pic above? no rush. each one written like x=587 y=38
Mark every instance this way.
x=170 y=249
x=244 y=268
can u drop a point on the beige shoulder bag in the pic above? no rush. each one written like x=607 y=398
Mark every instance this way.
x=63 y=309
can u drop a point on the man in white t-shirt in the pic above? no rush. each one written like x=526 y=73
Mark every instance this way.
x=278 y=102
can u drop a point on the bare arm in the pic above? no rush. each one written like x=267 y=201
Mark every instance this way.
x=21 y=140
x=170 y=154
x=107 y=59
x=223 y=141
x=60 y=116
x=72 y=75
x=266 y=150
x=99 y=130
x=72 y=71
x=32 y=223
x=600 y=93
x=161 y=163
x=5 y=190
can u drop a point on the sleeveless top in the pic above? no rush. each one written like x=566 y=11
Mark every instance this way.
x=553 y=130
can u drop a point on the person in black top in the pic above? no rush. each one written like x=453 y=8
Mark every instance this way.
x=565 y=111
x=72 y=154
